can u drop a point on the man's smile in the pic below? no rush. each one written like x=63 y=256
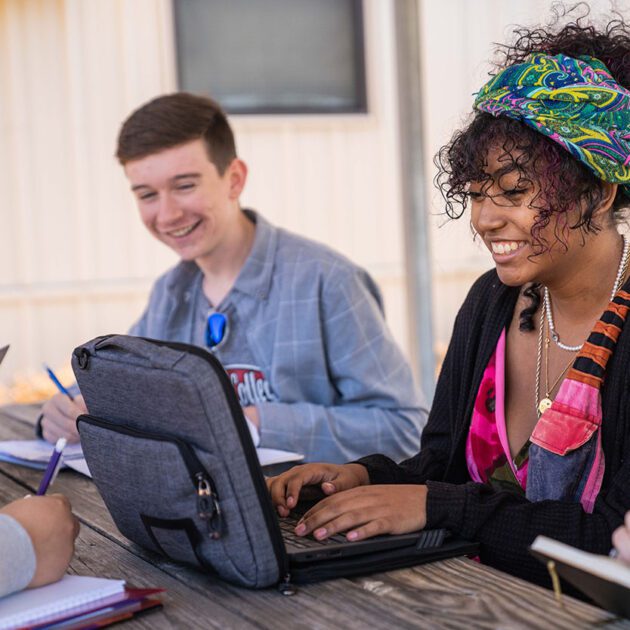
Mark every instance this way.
x=183 y=231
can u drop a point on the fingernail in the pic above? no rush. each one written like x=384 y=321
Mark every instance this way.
x=290 y=501
x=352 y=535
x=320 y=533
x=300 y=529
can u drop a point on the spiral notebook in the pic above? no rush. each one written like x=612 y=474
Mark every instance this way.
x=29 y=607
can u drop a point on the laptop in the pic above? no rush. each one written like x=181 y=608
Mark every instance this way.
x=171 y=454
x=311 y=559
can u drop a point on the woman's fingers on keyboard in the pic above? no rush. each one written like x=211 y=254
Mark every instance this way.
x=286 y=489
x=367 y=511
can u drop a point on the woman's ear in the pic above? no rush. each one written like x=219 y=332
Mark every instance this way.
x=609 y=192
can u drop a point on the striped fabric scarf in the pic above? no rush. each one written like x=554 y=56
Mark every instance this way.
x=566 y=460
x=574 y=102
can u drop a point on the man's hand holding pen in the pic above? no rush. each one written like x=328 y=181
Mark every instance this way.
x=60 y=418
x=60 y=413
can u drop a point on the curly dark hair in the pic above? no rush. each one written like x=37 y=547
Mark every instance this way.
x=562 y=182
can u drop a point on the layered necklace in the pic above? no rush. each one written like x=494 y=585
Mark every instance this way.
x=547 y=317
x=621 y=272
x=543 y=404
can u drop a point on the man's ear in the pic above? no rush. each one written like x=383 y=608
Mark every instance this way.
x=237 y=176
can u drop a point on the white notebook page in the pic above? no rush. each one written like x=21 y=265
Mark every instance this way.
x=28 y=606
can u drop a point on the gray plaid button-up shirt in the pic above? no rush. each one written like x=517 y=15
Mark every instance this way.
x=318 y=333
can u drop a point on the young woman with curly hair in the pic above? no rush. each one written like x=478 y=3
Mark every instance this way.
x=530 y=426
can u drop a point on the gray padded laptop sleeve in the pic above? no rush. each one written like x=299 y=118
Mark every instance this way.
x=169 y=450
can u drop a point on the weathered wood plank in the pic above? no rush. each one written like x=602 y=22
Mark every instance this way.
x=459 y=592
x=456 y=593
x=26 y=413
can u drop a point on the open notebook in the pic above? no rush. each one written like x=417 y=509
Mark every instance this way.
x=31 y=606
x=36 y=453
x=74 y=603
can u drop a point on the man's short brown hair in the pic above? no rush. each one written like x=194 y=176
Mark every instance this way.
x=174 y=119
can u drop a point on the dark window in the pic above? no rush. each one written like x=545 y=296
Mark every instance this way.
x=273 y=56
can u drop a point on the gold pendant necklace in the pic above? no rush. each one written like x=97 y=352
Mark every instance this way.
x=543 y=404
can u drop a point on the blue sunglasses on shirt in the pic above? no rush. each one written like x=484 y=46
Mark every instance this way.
x=216 y=329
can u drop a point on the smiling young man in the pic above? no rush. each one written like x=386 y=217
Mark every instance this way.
x=298 y=327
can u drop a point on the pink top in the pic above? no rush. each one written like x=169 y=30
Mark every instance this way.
x=488 y=454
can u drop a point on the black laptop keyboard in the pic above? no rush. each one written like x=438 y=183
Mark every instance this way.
x=426 y=539
x=429 y=538
x=287 y=527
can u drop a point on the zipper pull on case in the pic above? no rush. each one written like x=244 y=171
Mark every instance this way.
x=286 y=587
x=208 y=508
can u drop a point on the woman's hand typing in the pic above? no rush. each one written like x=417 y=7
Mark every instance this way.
x=311 y=480
x=367 y=511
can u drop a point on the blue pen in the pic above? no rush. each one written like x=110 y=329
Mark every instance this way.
x=57 y=382
x=53 y=466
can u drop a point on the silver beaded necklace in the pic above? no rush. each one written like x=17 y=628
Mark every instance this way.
x=621 y=272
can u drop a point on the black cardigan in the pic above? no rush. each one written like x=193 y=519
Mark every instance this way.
x=504 y=523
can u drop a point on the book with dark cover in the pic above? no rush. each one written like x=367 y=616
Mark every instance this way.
x=603 y=579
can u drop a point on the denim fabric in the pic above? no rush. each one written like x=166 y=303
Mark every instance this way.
x=559 y=477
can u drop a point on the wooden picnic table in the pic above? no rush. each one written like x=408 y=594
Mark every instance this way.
x=454 y=593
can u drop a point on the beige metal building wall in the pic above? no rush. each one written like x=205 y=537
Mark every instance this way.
x=73 y=257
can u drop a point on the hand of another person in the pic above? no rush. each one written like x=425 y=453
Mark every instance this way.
x=60 y=418
x=621 y=539
x=367 y=511
x=52 y=529
x=285 y=489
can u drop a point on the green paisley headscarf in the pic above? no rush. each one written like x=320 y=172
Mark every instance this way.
x=575 y=102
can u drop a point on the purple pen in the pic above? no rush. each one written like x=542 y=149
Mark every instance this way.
x=53 y=466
